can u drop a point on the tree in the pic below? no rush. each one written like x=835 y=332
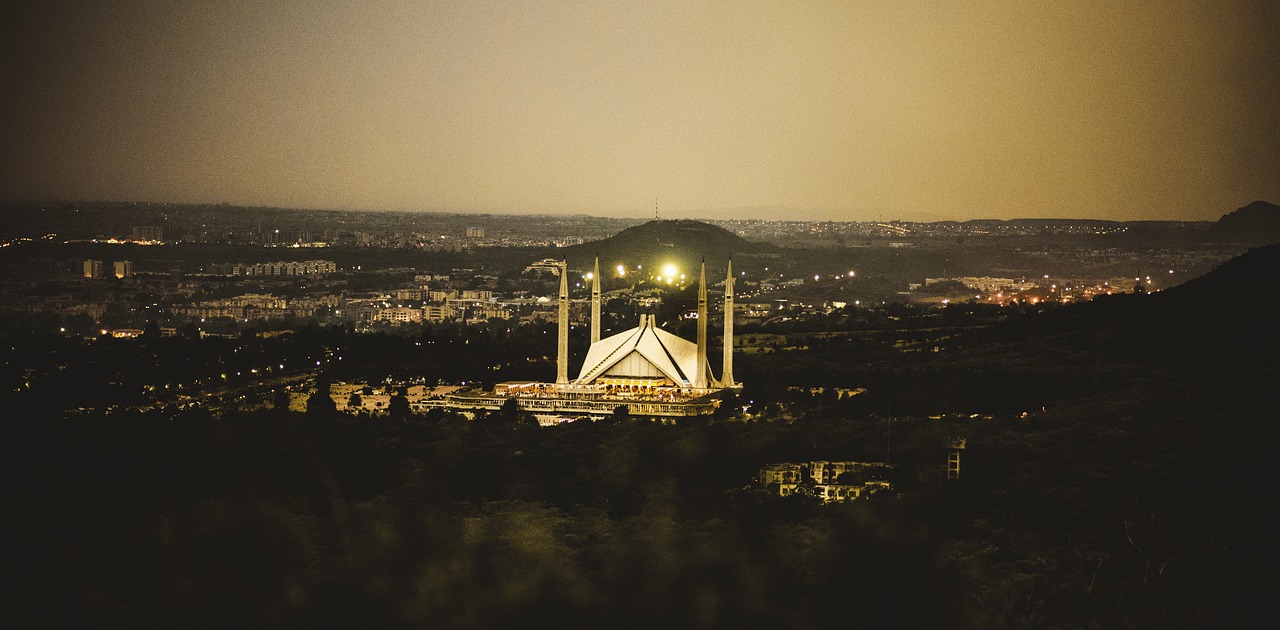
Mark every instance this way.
x=281 y=402
x=398 y=406
x=321 y=403
x=151 y=332
x=511 y=415
x=355 y=401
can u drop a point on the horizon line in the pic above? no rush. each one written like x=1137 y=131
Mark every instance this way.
x=699 y=215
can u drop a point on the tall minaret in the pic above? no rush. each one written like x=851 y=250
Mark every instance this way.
x=700 y=379
x=562 y=349
x=595 y=302
x=726 y=374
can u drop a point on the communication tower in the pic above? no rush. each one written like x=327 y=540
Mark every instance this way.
x=955 y=444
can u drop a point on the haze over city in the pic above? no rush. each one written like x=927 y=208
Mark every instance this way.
x=840 y=111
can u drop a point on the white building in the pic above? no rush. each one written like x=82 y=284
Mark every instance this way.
x=643 y=356
x=646 y=370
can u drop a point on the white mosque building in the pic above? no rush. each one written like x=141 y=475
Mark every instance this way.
x=648 y=370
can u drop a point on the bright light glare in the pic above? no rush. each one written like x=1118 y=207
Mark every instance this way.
x=669 y=271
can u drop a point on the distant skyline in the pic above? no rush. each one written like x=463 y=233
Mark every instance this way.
x=850 y=111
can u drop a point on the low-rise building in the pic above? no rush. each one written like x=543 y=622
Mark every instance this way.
x=93 y=269
x=781 y=473
x=439 y=313
x=399 y=315
x=821 y=479
x=829 y=472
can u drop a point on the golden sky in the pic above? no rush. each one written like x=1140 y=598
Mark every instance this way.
x=898 y=109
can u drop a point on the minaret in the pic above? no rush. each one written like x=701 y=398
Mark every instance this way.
x=562 y=349
x=700 y=379
x=726 y=374
x=595 y=302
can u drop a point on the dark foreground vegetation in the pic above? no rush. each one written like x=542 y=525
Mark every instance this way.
x=1133 y=493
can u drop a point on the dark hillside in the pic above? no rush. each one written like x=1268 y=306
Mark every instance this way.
x=1215 y=331
x=1152 y=456
x=1226 y=315
x=1257 y=223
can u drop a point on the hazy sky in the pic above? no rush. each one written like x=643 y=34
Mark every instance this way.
x=830 y=110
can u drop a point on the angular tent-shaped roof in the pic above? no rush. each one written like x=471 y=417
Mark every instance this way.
x=643 y=351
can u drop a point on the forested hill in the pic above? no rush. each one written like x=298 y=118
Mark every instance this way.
x=682 y=242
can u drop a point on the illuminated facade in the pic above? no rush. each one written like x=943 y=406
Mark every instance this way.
x=645 y=370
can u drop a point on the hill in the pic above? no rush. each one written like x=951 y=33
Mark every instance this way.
x=658 y=242
x=1257 y=223
x=1117 y=450
x=1155 y=421
x=1225 y=315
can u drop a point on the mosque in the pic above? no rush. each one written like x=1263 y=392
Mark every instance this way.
x=647 y=370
